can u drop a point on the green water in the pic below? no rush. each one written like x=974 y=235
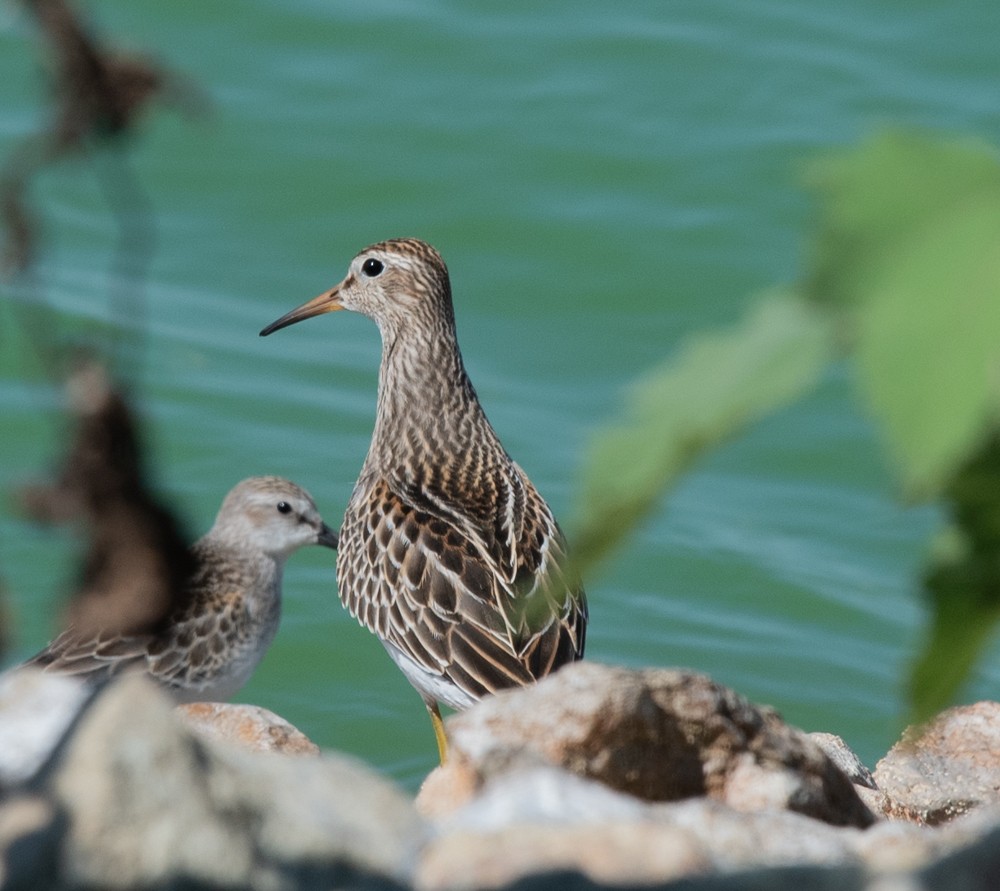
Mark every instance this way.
x=604 y=180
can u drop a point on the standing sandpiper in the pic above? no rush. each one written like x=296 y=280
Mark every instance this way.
x=448 y=553
x=226 y=617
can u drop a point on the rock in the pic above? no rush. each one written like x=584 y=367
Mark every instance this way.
x=37 y=709
x=542 y=820
x=900 y=846
x=972 y=868
x=875 y=800
x=543 y=794
x=563 y=785
x=537 y=821
x=896 y=847
x=609 y=854
x=444 y=790
x=843 y=756
x=148 y=804
x=657 y=734
x=949 y=769
x=545 y=820
x=737 y=840
x=851 y=765
x=30 y=830
x=248 y=726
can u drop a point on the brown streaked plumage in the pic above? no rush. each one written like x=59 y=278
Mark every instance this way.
x=447 y=552
x=228 y=613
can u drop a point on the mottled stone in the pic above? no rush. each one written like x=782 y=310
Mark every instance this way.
x=247 y=726
x=950 y=768
x=876 y=801
x=844 y=757
x=657 y=734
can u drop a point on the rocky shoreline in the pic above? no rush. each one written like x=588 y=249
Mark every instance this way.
x=597 y=777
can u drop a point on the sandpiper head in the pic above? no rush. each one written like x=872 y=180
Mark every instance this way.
x=272 y=515
x=396 y=283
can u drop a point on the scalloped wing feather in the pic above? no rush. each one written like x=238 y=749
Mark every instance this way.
x=422 y=584
x=96 y=657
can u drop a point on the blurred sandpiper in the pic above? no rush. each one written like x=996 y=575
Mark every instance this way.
x=228 y=613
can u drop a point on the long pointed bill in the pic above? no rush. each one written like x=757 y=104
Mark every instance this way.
x=328 y=301
x=327 y=537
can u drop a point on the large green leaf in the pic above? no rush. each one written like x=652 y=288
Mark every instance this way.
x=909 y=254
x=717 y=384
x=909 y=246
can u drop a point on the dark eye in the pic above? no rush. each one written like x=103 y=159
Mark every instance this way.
x=284 y=507
x=372 y=267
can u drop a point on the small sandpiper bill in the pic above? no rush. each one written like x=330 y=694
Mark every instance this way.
x=447 y=553
x=226 y=617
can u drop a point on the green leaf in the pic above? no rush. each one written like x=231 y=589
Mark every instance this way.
x=909 y=255
x=717 y=385
x=961 y=624
x=963 y=581
x=909 y=252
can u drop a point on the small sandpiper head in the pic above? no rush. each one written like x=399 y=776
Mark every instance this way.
x=400 y=283
x=272 y=515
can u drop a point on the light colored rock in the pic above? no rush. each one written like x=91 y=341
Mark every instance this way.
x=538 y=820
x=148 y=801
x=36 y=708
x=247 y=726
x=543 y=794
x=975 y=867
x=898 y=846
x=737 y=840
x=444 y=791
x=607 y=853
x=657 y=734
x=533 y=821
x=946 y=771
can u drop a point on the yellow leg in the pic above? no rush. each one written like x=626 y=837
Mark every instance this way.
x=442 y=740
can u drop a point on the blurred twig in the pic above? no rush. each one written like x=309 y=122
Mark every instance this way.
x=136 y=561
x=99 y=93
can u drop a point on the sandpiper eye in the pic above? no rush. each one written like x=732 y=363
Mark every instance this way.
x=372 y=267
x=284 y=507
